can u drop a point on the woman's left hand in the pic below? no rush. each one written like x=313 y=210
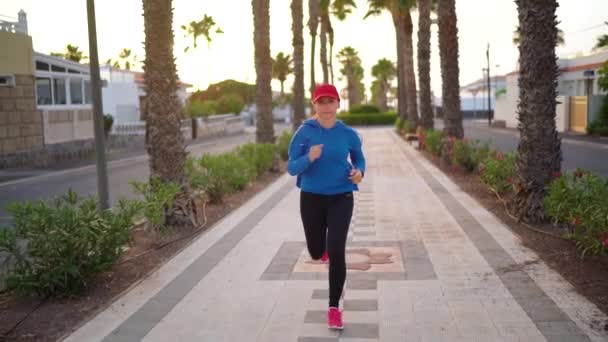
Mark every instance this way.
x=355 y=176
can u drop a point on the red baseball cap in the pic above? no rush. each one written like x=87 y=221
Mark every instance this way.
x=325 y=90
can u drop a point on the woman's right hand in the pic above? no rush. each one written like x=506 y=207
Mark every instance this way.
x=315 y=152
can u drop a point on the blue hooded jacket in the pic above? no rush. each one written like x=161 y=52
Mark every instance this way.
x=329 y=174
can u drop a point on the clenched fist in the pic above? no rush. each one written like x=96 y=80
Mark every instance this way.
x=315 y=152
x=355 y=176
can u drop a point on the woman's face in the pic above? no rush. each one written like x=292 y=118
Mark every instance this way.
x=326 y=108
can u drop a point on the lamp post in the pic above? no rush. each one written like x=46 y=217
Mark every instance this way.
x=100 y=152
x=489 y=88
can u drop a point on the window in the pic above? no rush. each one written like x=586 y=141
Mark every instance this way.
x=59 y=90
x=87 y=92
x=43 y=91
x=42 y=66
x=57 y=68
x=72 y=71
x=76 y=91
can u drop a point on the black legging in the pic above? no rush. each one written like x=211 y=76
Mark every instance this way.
x=328 y=216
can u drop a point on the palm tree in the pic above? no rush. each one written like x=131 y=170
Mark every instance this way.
x=263 y=69
x=340 y=9
x=72 y=53
x=424 y=62
x=448 y=52
x=602 y=41
x=384 y=71
x=538 y=154
x=314 y=8
x=125 y=55
x=353 y=71
x=166 y=142
x=282 y=66
x=325 y=28
x=201 y=28
x=298 y=61
x=402 y=19
x=195 y=30
x=560 y=37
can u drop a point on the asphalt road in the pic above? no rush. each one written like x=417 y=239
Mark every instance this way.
x=589 y=155
x=83 y=180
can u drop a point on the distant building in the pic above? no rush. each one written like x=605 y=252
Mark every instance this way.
x=579 y=97
x=474 y=96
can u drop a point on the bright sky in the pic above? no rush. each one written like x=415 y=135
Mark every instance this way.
x=53 y=24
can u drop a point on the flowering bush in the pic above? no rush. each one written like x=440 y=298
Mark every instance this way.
x=580 y=200
x=498 y=171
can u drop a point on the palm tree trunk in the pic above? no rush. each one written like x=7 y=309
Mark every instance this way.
x=282 y=89
x=313 y=23
x=352 y=90
x=263 y=69
x=401 y=94
x=165 y=143
x=298 y=61
x=323 y=48
x=424 y=62
x=330 y=32
x=410 y=81
x=383 y=96
x=448 y=52
x=539 y=153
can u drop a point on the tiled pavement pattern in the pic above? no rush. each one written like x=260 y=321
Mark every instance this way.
x=448 y=271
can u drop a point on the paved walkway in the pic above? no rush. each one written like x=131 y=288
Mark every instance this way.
x=426 y=263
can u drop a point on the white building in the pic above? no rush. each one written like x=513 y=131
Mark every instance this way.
x=124 y=94
x=579 y=97
x=474 y=96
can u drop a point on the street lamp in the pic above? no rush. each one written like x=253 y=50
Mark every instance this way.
x=489 y=88
x=102 y=170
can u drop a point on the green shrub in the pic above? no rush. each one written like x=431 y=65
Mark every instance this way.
x=468 y=155
x=108 y=122
x=581 y=200
x=498 y=171
x=463 y=155
x=368 y=119
x=259 y=155
x=283 y=144
x=433 y=141
x=481 y=151
x=399 y=125
x=230 y=103
x=157 y=198
x=57 y=247
x=364 y=109
x=219 y=175
x=209 y=107
x=402 y=126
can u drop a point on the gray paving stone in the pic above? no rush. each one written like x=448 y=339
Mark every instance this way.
x=315 y=317
x=360 y=330
x=361 y=305
x=362 y=233
x=361 y=284
x=318 y=339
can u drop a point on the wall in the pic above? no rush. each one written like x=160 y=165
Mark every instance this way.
x=121 y=100
x=16 y=54
x=63 y=125
x=595 y=107
x=562 y=114
x=20 y=122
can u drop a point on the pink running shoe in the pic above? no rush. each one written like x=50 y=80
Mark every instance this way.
x=325 y=257
x=334 y=319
